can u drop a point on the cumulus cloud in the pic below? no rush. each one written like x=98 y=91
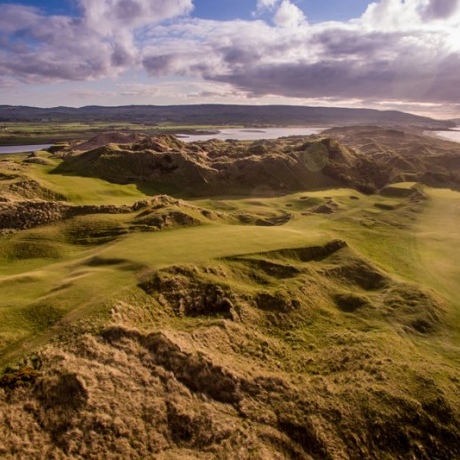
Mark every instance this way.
x=410 y=14
x=108 y=16
x=394 y=52
x=286 y=13
x=101 y=42
x=289 y=15
x=50 y=47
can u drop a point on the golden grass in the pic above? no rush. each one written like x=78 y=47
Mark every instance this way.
x=220 y=341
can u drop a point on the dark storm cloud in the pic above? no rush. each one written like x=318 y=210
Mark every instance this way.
x=356 y=64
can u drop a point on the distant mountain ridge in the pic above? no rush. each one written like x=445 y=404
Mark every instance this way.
x=217 y=114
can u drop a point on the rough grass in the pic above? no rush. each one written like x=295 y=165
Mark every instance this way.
x=229 y=339
x=394 y=249
x=437 y=246
x=86 y=190
x=293 y=376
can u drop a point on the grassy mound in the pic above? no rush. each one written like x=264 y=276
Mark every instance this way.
x=365 y=158
x=239 y=366
x=230 y=167
x=319 y=324
x=405 y=155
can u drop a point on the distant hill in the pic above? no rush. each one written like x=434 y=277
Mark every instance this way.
x=221 y=115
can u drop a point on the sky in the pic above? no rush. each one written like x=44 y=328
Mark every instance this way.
x=386 y=54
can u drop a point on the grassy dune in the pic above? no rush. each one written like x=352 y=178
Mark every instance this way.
x=321 y=324
x=49 y=266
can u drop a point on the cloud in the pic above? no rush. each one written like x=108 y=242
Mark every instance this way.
x=108 y=16
x=101 y=42
x=393 y=52
x=376 y=80
x=411 y=14
x=398 y=50
x=15 y=17
x=440 y=9
x=195 y=90
x=50 y=48
x=266 y=4
x=289 y=15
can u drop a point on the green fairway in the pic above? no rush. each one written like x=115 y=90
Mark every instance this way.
x=202 y=243
x=438 y=243
x=33 y=299
x=87 y=190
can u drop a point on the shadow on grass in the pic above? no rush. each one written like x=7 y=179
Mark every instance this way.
x=148 y=189
x=159 y=189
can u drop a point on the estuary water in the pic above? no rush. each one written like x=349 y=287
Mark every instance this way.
x=246 y=134
x=451 y=135
x=242 y=134
x=22 y=148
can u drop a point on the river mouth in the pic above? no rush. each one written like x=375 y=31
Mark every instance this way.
x=450 y=135
x=8 y=149
x=241 y=134
x=247 y=134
